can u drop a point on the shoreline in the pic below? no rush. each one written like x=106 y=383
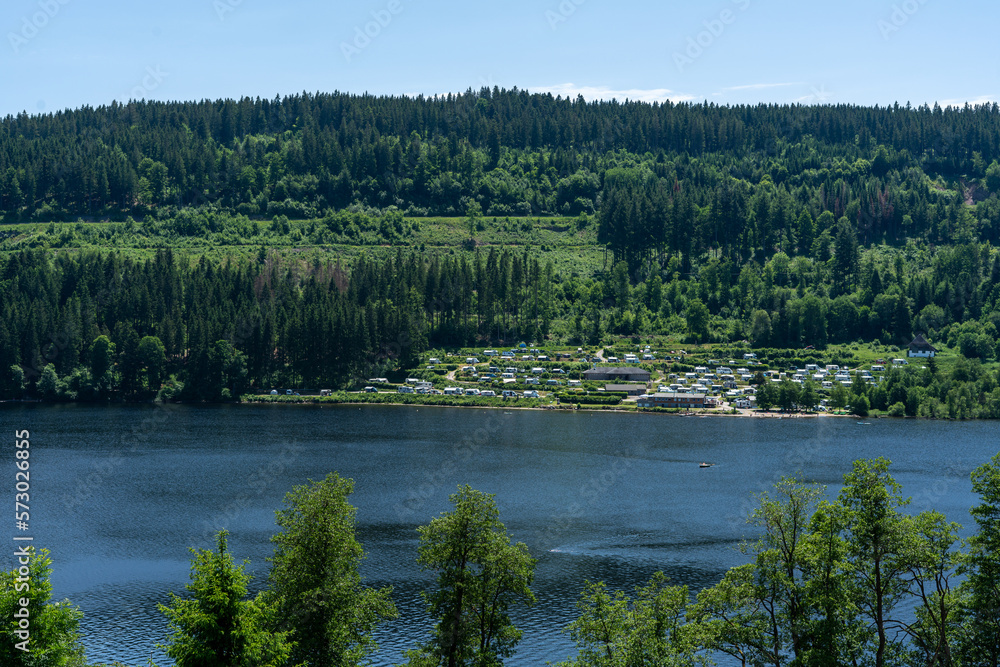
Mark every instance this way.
x=747 y=414
x=322 y=400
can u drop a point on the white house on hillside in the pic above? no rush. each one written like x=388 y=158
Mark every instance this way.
x=919 y=347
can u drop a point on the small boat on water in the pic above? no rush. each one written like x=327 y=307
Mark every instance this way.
x=864 y=423
x=705 y=465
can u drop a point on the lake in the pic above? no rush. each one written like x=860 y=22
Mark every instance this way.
x=119 y=494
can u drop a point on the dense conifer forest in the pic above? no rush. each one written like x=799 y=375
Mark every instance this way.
x=517 y=154
x=235 y=245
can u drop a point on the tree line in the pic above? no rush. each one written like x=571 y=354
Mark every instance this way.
x=856 y=580
x=93 y=325
x=100 y=326
x=968 y=392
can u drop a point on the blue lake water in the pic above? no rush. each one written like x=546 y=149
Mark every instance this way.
x=120 y=493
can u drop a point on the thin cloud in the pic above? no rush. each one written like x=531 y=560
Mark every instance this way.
x=982 y=99
x=604 y=93
x=818 y=95
x=762 y=86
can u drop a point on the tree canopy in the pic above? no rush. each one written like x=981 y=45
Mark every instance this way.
x=315 y=584
x=481 y=575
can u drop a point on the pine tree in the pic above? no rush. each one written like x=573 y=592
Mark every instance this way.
x=217 y=626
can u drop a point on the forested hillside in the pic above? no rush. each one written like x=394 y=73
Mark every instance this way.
x=895 y=172
x=513 y=217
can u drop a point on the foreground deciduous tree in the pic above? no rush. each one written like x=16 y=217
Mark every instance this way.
x=734 y=619
x=790 y=605
x=931 y=567
x=834 y=629
x=880 y=546
x=780 y=559
x=481 y=575
x=649 y=629
x=315 y=583
x=830 y=581
x=979 y=640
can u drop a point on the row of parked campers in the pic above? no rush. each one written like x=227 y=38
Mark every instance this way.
x=509 y=353
x=289 y=392
x=406 y=389
x=506 y=393
x=634 y=359
x=506 y=355
x=415 y=386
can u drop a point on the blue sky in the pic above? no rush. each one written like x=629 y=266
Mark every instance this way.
x=58 y=54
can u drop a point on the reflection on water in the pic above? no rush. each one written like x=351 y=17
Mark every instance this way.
x=608 y=497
